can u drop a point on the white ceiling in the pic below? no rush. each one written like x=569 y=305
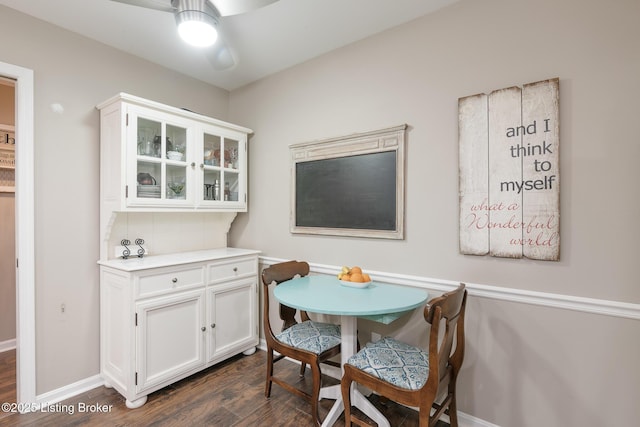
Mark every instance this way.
x=264 y=41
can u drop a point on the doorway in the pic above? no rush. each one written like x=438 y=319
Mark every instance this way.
x=24 y=231
x=7 y=224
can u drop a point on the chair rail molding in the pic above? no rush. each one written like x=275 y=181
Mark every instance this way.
x=545 y=299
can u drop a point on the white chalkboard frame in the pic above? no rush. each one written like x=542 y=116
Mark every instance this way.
x=378 y=141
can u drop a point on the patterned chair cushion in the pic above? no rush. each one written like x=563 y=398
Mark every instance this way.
x=395 y=362
x=315 y=337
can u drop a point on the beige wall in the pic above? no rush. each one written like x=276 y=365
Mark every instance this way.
x=77 y=73
x=526 y=365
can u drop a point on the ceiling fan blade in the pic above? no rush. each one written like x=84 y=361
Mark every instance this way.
x=163 y=5
x=236 y=7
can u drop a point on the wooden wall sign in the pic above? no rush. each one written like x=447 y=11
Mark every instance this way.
x=509 y=173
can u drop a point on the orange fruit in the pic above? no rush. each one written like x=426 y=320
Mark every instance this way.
x=357 y=277
x=355 y=270
x=366 y=277
x=346 y=278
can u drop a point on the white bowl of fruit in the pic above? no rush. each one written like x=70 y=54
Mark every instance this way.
x=354 y=277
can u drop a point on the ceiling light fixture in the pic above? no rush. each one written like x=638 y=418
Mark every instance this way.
x=197 y=22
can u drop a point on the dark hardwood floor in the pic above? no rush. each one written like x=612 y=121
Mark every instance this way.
x=228 y=394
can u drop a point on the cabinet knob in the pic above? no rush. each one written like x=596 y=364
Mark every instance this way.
x=204 y=328
x=174 y=280
x=193 y=164
x=213 y=325
x=201 y=165
x=235 y=269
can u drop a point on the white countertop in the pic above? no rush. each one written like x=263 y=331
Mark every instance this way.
x=134 y=263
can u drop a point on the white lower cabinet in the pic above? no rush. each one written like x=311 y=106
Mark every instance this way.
x=169 y=338
x=164 y=318
x=229 y=326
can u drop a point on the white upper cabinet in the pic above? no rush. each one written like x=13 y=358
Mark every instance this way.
x=160 y=158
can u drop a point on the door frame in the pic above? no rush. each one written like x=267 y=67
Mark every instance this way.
x=25 y=233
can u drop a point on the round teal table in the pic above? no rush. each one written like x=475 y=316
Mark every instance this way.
x=326 y=295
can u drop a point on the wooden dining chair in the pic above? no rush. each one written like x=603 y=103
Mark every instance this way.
x=309 y=342
x=410 y=375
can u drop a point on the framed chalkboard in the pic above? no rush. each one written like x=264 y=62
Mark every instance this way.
x=350 y=186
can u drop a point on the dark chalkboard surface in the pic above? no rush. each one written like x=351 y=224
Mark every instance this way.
x=352 y=192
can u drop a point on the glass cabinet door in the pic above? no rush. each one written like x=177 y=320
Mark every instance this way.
x=161 y=161
x=221 y=182
x=231 y=171
x=175 y=163
x=149 y=166
x=175 y=149
x=211 y=167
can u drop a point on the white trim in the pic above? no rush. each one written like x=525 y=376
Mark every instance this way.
x=7 y=345
x=69 y=391
x=466 y=420
x=25 y=229
x=545 y=299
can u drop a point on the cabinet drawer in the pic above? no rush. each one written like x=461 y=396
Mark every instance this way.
x=232 y=269
x=166 y=280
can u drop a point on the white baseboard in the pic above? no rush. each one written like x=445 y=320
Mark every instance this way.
x=68 y=391
x=466 y=420
x=7 y=345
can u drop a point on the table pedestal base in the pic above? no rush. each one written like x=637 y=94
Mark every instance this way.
x=348 y=347
x=357 y=399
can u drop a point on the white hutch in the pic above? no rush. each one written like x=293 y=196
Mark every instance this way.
x=171 y=183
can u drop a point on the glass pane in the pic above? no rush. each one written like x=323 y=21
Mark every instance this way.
x=212 y=188
x=231 y=153
x=176 y=143
x=148 y=132
x=148 y=177
x=176 y=182
x=211 y=150
x=231 y=183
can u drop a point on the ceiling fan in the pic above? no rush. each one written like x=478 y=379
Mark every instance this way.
x=197 y=22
